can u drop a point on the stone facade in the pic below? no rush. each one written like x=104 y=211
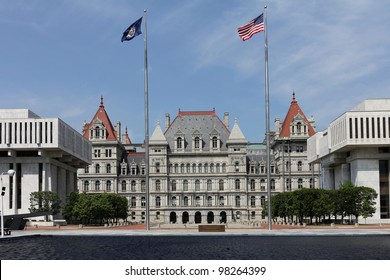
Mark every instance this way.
x=201 y=171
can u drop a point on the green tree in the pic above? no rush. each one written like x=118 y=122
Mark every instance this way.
x=45 y=201
x=68 y=209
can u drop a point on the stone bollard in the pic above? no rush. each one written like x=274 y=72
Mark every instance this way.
x=80 y=225
x=105 y=225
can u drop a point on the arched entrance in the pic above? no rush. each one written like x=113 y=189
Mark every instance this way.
x=198 y=217
x=172 y=217
x=185 y=218
x=222 y=217
x=210 y=217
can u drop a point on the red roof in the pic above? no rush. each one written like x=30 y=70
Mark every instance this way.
x=291 y=114
x=101 y=115
x=127 y=140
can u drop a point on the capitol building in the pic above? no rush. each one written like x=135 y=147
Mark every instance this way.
x=202 y=169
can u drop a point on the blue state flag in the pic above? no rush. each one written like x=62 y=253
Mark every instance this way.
x=132 y=31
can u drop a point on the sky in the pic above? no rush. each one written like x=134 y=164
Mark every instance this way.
x=57 y=58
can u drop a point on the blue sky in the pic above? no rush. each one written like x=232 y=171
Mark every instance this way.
x=58 y=57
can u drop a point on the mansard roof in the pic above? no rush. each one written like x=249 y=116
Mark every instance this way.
x=101 y=116
x=191 y=123
x=294 y=112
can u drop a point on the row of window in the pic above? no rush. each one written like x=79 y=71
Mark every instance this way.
x=97 y=153
x=369 y=127
x=197 y=143
x=197 y=201
x=185 y=185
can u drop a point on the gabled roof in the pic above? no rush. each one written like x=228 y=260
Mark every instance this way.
x=102 y=116
x=294 y=111
x=126 y=139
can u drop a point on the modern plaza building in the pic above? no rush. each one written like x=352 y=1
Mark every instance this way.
x=356 y=147
x=45 y=154
x=201 y=171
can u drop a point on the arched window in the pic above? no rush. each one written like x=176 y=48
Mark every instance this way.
x=218 y=168
x=108 y=186
x=185 y=201
x=157 y=165
x=209 y=185
x=209 y=201
x=185 y=185
x=197 y=201
x=97 y=168
x=237 y=184
x=253 y=201
x=253 y=184
x=262 y=200
x=108 y=168
x=223 y=167
x=206 y=168
x=86 y=186
x=173 y=185
x=133 y=184
x=215 y=142
x=262 y=184
x=143 y=186
x=143 y=202
x=300 y=183
x=158 y=202
x=272 y=184
x=179 y=143
x=123 y=186
x=221 y=201
x=238 y=201
x=97 y=132
x=97 y=186
x=173 y=201
x=197 y=185
x=133 y=202
x=221 y=185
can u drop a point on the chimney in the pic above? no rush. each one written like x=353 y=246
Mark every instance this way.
x=167 y=121
x=226 y=119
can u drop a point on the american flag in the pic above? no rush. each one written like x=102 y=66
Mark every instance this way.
x=254 y=26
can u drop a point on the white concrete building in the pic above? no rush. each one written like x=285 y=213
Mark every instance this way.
x=45 y=154
x=356 y=147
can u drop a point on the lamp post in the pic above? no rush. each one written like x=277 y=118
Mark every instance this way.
x=10 y=173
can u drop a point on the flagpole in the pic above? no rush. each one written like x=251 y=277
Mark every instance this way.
x=146 y=122
x=267 y=121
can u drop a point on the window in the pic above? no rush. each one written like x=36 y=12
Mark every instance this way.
x=218 y=168
x=300 y=183
x=272 y=184
x=238 y=201
x=253 y=201
x=253 y=184
x=223 y=167
x=197 y=142
x=124 y=169
x=188 y=167
x=206 y=168
x=86 y=169
x=197 y=201
x=173 y=201
x=221 y=185
x=123 y=186
x=143 y=186
x=236 y=166
x=212 y=168
x=209 y=185
x=133 y=202
x=158 y=202
x=311 y=183
x=287 y=165
x=185 y=201
x=299 y=149
x=288 y=185
x=253 y=215
x=86 y=186
x=221 y=201
x=133 y=184
x=209 y=201
x=108 y=168
x=157 y=166
x=299 y=165
x=97 y=186
x=262 y=200
x=197 y=185
x=173 y=185
x=179 y=143
x=108 y=186
x=215 y=142
x=194 y=168
x=143 y=202
x=96 y=153
x=185 y=185
x=237 y=184
x=97 y=168
x=262 y=184
x=182 y=168
x=158 y=185
x=108 y=153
